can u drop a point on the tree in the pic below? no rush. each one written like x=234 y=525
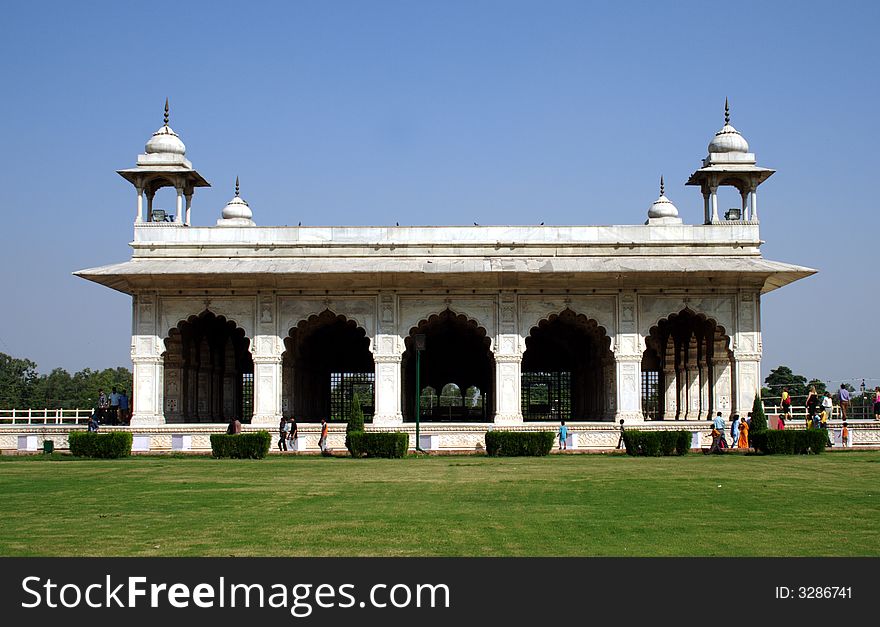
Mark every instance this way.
x=759 y=420
x=783 y=377
x=18 y=379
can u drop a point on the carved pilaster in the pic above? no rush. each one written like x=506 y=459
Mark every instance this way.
x=266 y=351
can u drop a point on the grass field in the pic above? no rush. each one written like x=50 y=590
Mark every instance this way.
x=563 y=505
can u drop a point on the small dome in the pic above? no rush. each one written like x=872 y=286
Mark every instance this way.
x=237 y=208
x=728 y=139
x=165 y=141
x=662 y=207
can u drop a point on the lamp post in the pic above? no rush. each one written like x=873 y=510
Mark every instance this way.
x=864 y=400
x=419 y=340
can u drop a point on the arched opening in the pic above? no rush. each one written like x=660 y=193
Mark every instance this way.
x=161 y=205
x=567 y=370
x=456 y=357
x=686 y=369
x=209 y=371
x=326 y=364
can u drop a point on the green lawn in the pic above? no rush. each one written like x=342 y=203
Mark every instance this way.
x=563 y=505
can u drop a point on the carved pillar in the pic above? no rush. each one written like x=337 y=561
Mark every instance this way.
x=628 y=352
x=174 y=374
x=753 y=203
x=267 y=380
x=509 y=349
x=693 y=380
x=388 y=349
x=713 y=201
x=705 y=385
x=146 y=357
x=189 y=199
x=266 y=349
x=670 y=386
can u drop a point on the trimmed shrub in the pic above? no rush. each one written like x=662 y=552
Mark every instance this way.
x=100 y=445
x=657 y=443
x=371 y=444
x=759 y=419
x=790 y=442
x=519 y=443
x=241 y=445
x=355 y=421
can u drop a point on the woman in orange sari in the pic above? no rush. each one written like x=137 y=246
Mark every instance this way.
x=743 y=435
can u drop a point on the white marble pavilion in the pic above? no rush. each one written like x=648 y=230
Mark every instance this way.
x=523 y=325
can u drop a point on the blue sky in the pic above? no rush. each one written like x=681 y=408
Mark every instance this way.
x=438 y=113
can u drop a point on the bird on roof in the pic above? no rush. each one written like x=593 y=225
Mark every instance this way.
x=475 y=224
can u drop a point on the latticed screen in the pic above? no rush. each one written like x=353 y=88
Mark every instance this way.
x=651 y=394
x=546 y=395
x=344 y=386
x=247 y=396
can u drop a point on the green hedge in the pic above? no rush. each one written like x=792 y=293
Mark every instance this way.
x=790 y=441
x=371 y=444
x=111 y=445
x=519 y=443
x=657 y=443
x=241 y=445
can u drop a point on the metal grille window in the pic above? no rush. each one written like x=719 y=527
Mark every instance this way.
x=247 y=396
x=343 y=388
x=546 y=395
x=651 y=394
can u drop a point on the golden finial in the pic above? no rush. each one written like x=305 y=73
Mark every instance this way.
x=236 y=187
x=726 y=113
x=166 y=111
x=661 y=184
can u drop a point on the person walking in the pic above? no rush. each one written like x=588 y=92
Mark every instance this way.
x=282 y=434
x=877 y=403
x=786 y=404
x=844 y=435
x=293 y=435
x=563 y=436
x=743 y=441
x=620 y=439
x=124 y=416
x=734 y=430
x=322 y=441
x=843 y=398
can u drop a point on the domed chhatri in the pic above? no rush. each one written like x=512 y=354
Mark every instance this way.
x=236 y=212
x=662 y=210
x=728 y=139
x=165 y=140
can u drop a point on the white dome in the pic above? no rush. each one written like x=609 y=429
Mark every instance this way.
x=165 y=141
x=728 y=139
x=237 y=208
x=662 y=207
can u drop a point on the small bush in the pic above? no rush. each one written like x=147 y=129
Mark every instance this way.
x=355 y=421
x=100 y=445
x=519 y=443
x=790 y=442
x=657 y=443
x=241 y=445
x=369 y=444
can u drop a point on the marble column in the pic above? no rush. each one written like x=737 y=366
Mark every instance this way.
x=388 y=381
x=693 y=381
x=140 y=205
x=189 y=198
x=670 y=389
x=266 y=350
x=508 y=378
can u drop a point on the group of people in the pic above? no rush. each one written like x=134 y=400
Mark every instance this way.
x=739 y=433
x=111 y=410
x=288 y=434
